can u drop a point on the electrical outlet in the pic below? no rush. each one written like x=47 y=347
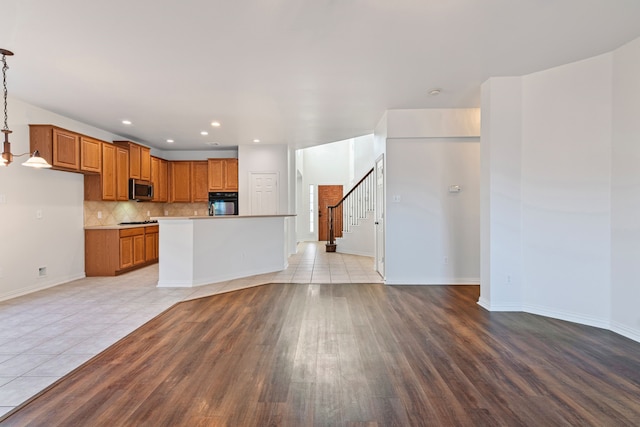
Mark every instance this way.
x=445 y=260
x=39 y=214
x=166 y=213
x=99 y=214
x=148 y=213
x=508 y=279
x=3 y=199
x=195 y=213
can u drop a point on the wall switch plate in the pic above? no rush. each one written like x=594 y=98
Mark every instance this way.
x=397 y=198
x=3 y=199
x=39 y=214
x=42 y=271
x=454 y=189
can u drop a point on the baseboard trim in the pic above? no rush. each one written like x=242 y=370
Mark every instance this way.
x=437 y=281
x=625 y=331
x=567 y=316
x=42 y=286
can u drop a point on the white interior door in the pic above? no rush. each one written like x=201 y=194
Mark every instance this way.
x=379 y=215
x=264 y=193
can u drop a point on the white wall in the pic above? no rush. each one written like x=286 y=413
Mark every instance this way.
x=263 y=159
x=575 y=164
x=57 y=240
x=501 y=187
x=625 y=192
x=432 y=236
x=566 y=170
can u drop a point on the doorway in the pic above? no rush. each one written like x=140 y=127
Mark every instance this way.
x=328 y=195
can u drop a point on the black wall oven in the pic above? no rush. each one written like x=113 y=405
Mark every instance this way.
x=223 y=203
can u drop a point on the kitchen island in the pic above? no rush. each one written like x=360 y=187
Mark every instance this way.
x=201 y=250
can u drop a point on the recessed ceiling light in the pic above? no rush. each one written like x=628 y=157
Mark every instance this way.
x=126 y=122
x=256 y=140
x=215 y=124
x=204 y=133
x=435 y=92
x=213 y=144
x=170 y=141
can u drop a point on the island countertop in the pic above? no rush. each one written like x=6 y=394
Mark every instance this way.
x=170 y=218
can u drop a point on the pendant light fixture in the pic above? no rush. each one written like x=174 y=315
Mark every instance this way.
x=34 y=161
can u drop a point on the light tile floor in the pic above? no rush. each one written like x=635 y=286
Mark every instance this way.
x=47 y=334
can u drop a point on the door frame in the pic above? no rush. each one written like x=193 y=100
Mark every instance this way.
x=379 y=219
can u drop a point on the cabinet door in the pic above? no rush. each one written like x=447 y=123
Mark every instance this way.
x=122 y=174
x=126 y=252
x=163 y=177
x=231 y=175
x=90 y=155
x=134 y=161
x=138 y=249
x=108 y=172
x=199 y=182
x=216 y=174
x=159 y=179
x=66 y=149
x=145 y=163
x=150 y=249
x=180 y=182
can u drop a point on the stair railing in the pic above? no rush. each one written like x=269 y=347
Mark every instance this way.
x=351 y=208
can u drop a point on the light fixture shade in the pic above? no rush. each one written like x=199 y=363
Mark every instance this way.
x=35 y=161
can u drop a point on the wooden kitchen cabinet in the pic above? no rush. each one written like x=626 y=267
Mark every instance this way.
x=139 y=160
x=112 y=184
x=199 y=181
x=59 y=147
x=109 y=252
x=180 y=182
x=132 y=250
x=90 y=155
x=66 y=150
x=122 y=174
x=160 y=179
x=223 y=174
x=151 y=243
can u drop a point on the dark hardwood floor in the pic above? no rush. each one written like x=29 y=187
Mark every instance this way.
x=349 y=355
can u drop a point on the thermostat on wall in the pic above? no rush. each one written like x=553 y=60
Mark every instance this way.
x=454 y=189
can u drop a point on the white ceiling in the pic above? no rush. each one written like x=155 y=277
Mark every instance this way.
x=298 y=72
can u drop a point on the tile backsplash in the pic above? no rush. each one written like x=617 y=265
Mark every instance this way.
x=112 y=213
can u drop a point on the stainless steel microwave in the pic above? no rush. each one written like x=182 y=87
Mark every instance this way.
x=140 y=190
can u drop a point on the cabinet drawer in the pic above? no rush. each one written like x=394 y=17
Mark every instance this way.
x=151 y=229
x=132 y=232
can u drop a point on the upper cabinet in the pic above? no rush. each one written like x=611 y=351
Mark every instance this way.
x=223 y=174
x=180 y=182
x=113 y=182
x=139 y=160
x=160 y=179
x=199 y=185
x=66 y=150
x=90 y=154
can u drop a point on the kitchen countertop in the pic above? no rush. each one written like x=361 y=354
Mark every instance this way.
x=119 y=226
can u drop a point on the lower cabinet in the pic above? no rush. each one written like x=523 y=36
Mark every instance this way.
x=109 y=252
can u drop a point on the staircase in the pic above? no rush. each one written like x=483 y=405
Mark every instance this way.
x=354 y=208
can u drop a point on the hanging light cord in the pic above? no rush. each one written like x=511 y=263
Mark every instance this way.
x=4 y=85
